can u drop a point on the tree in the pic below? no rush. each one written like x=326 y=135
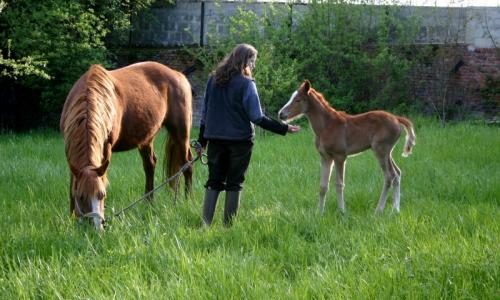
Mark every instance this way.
x=354 y=54
x=24 y=66
x=55 y=42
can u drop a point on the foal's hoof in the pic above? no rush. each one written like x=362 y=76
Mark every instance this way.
x=395 y=211
x=321 y=211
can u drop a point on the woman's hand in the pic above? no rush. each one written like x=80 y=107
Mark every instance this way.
x=293 y=128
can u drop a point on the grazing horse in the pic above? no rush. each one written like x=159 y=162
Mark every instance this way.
x=339 y=135
x=119 y=110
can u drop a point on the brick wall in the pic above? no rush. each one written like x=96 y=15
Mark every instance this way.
x=455 y=79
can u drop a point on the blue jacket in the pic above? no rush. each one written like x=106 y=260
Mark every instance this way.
x=229 y=111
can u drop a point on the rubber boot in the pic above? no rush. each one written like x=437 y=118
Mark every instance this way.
x=231 y=207
x=209 y=205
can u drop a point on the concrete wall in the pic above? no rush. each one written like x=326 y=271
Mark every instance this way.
x=195 y=22
x=178 y=25
x=483 y=27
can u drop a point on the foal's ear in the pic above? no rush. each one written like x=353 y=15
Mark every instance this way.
x=306 y=85
x=102 y=169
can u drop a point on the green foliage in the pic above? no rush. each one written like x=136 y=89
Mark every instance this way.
x=66 y=34
x=20 y=67
x=354 y=53
x=56 y=41
x=445 y=243
x=491 y=95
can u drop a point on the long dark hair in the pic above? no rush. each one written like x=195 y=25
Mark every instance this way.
x=238 y=61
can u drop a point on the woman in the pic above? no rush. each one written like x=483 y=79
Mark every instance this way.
x=231 y=105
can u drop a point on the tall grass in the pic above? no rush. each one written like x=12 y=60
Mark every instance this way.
x=443 y=244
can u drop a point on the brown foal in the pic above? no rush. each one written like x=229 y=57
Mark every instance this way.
x=339 y=135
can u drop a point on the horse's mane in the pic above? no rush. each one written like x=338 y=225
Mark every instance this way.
x=89 y=119
x=325 y=104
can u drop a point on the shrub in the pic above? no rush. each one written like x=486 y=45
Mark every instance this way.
x=353 y=54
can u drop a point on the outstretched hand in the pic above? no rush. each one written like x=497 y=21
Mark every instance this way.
x=293 y=128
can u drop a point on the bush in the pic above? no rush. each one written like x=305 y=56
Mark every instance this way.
x=51 y=43
x=353 y=54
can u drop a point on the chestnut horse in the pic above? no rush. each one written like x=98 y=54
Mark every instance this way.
x=339 y=135
x=119 y=110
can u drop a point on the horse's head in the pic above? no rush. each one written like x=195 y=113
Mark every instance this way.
x=297 y=105
x=88 y=192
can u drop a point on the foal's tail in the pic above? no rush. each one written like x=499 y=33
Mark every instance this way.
x=410 y=135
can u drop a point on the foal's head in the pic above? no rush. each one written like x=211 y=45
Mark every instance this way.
x=297 y=105
x=88 y=190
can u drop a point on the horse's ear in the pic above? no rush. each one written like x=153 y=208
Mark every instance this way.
x=102 y=169
x=306 y=85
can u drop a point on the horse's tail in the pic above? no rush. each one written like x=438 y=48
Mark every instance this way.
x=173 y=157
x=177 y=154
x=177 y=149
x=410 y=135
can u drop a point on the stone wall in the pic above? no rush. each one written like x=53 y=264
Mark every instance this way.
x=193 y=22
x=169 y=26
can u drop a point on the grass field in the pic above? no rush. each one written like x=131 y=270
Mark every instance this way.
x=444 y=244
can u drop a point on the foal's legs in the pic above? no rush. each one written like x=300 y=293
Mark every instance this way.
x=384 y=157
x=396 y=183
x=326 y=171
x=149 y=164
x=339 y=183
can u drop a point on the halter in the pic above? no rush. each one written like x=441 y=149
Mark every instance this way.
x=89 y=215
x=202 y=157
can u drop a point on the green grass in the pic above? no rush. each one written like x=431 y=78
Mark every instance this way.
x=443 y=244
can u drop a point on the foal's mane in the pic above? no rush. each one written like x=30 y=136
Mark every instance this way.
x=89 y=119
x=322 y=101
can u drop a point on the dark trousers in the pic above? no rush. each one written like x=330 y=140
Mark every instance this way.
x=227 y=164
